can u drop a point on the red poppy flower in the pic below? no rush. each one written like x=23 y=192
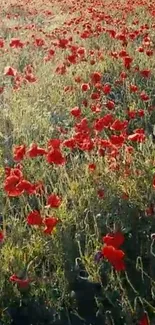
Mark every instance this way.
x=76 y=112
x=34 y=218
x=16 y=43
x=95 y=95
x=103 y=122
x=55 y=157
x=95 y=77
x=14 y=172
x=119 y=125
x=117 y=140
x=54 y=201
x=26 y=186
x=145 y=73
x=84 y=142
x=127 y=62
x=110 y=105
x=144 y=96
x=9 y=71
x=106 y=89
x=72 y=58
x=137 y=137
x=54 y=143
x=149 y=52
x=50 y=223
x=69 y=143
x=35 y=151
x=114 y=239
x=85 y=87
x=30 y=77
x=115 y=257
x=23 y=283
x=82 y=127
x=62 y=43
x=10 y=185
x=133 y=88
x=19 y=152
x=140 y=49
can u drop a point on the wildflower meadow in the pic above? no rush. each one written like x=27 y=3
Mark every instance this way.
x=77 y=162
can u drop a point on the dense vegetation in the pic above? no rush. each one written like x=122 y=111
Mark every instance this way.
x=77 y=162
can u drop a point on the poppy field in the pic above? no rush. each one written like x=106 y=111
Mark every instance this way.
x=77 y=162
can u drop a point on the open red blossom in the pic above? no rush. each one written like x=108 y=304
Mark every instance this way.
x=14 y=172
x=54 y=143
x=103 y=122
x=51 y=52
x=19 y=152
x=69 y=143
x=117 y=140
x=62 y=43
x=84 y=142
x=26 y=186
x=110 y=104
x=95 y=77
x=119 y=125
x=23 y=283
x=133 y=88
x=137 y=137
x=34 y=218
x=95 y=95
x=30 y=78
x=54 y=201
x=72 y=58
x=81 y=51
x=9 y=71
x=127 y=62
x=114 y=239
x=10 y=185
x=35 y=151
x=115 y=257
x=144 y=96
x=50 y=223
x=82 y=127
x=16 y=43
x=106 y=89
x=76 y=112
x=85 y=87
x=55 y=157
x=145 y=73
